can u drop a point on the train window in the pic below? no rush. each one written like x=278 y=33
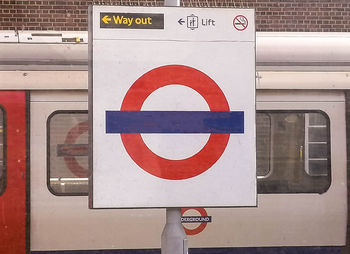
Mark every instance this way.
x=293 y=152
x=68 y=153
x=263 y=133
x=2 y=152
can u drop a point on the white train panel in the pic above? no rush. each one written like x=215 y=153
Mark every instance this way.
x=279 y=220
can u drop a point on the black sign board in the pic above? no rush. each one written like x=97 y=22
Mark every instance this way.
x=132 y=20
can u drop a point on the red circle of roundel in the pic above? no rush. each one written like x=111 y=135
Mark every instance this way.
x=137 y=149
x=201 y=226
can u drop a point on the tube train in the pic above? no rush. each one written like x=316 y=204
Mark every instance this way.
x=301 y=83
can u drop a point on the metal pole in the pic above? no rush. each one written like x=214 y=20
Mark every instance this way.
x=171 y=2
x=174 y=239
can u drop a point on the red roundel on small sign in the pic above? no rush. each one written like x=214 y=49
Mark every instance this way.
x=137 y=149
x=201 y=226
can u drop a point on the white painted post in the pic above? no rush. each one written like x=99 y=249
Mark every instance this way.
x=171 y=2
x=174 y=239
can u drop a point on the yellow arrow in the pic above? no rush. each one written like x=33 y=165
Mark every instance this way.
x=106 y=19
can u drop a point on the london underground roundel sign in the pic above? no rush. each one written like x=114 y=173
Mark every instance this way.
x=205 y=86
x=130 y=66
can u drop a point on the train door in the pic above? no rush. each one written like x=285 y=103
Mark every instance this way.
x=13 y=173
x=60 y=218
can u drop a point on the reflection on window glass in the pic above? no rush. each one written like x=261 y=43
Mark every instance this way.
x=316 y=145
x=68 y=153
x=293 y=152
x=2 y=152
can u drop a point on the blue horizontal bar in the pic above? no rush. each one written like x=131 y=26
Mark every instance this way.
x=174 y=122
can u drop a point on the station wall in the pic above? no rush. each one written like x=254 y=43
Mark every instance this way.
x=271 y=15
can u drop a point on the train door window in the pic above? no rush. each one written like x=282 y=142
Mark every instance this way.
x=293 y=152
x=2 y=152
x=67 y=153
x=263 y=144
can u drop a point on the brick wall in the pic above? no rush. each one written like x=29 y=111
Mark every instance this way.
x=271 y=15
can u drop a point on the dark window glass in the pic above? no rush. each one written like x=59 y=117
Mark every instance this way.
x=68 y=153
x=263 y=146
x=296 y=148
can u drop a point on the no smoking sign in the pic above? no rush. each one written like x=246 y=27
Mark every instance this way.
x=129 y=68
x=240 y=22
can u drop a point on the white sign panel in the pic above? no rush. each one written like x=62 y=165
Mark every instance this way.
x=172 y=104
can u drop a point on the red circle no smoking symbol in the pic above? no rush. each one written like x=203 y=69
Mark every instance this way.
x=240 y=22
x=138 y=150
